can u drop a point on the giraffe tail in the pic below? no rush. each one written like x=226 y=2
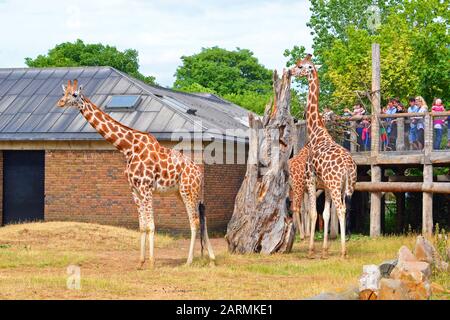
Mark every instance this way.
x=202 y=218
x=347 y=200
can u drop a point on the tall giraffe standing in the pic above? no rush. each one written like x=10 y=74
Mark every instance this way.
x=328 y=162
x=151 y=168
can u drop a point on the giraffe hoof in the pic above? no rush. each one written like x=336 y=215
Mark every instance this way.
x=344 y=256
x=311 y=255
x=152 y=264
x=212 y=263
x=325 y=254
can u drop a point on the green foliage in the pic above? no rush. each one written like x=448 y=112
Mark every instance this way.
x=441 y=242
x=195 y=87
x=78 y=53
x=252 y=101
x=413 y=37
x=225 y=72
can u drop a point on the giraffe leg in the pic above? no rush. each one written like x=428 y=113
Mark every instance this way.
x=313 y=217
x=142 y=255
x=212 y=257
x=142 y=228
x=305 y=215
x=192 y=245
x=340 y=210
x=150 y=226
x=326 y=220
x=151 y=240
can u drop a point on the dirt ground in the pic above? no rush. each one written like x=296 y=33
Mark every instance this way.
x=34 y=259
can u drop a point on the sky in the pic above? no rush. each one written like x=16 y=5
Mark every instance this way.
x=161 y=30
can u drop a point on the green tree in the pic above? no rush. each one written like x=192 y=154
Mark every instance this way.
x=78 y=53
x=235 y=75
x=413 y=35
x=224 y=71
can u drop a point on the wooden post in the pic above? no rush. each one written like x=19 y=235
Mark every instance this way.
x=353 y=138
x=375 y=99
x=427 y=202
x=400 y=142
x=375 y=197
x=375 y=204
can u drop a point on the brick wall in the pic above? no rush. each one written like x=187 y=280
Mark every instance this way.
x=90 y=186
x=222 y=183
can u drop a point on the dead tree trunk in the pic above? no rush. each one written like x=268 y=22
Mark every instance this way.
x=260 y=221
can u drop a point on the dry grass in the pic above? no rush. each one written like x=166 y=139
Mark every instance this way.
x=34 y=258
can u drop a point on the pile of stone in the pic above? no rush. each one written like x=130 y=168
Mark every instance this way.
x=405 y=278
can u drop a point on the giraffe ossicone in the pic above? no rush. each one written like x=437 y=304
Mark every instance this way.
x=150 y=168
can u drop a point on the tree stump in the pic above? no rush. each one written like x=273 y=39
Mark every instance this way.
x=260 y=221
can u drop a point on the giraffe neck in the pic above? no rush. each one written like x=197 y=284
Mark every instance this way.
x=113 y=131
x=316 y=127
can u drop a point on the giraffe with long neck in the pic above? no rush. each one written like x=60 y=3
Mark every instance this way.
x=327 y=162
x=151 y=168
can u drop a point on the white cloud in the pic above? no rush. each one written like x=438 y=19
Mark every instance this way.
x=162 y=31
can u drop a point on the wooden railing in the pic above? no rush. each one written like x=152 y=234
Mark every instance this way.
x=400 y=150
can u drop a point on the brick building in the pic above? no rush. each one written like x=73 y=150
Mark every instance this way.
x=55 y=166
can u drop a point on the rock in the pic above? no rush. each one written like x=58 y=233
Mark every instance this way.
x=424 y=250
x=370 y=278
x=368 y=295
x=437 y=288
x=391 y=289
x=386 y=267
x=404 y=254
x=418 y=290
x=327 y=296
x=351 y=293
x=412 y=270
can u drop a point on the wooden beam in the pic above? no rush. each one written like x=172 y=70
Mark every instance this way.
x=431 y=187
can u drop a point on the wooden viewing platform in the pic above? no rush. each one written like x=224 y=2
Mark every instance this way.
x=376 y=161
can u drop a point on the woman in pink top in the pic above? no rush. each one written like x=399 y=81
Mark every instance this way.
x=438 y=123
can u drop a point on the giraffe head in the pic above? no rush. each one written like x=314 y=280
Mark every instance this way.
x=72 y=95
x=304 y=68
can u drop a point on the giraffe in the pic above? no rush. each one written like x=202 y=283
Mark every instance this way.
x=150 y=169
x=297 y=182
x=327 y=162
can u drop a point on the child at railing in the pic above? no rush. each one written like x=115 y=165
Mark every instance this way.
x=366 y=135
x=438 y=123
x=448 y=132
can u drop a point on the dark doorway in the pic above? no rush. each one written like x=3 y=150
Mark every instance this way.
x=23 y=186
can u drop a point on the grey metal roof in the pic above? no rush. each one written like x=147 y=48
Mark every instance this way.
x=28 y=109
